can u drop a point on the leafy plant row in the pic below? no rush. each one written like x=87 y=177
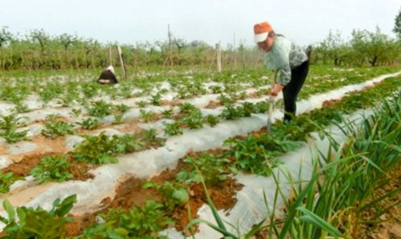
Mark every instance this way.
x=72 y=89
x=94 y=150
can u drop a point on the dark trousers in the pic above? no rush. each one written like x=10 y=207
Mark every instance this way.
x=291 y=90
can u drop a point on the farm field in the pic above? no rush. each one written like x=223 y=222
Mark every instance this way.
x=142 y=152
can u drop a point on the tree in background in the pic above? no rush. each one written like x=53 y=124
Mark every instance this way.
x=374 y=47
x=333 y=47
x=5 y=37
x=397 y=27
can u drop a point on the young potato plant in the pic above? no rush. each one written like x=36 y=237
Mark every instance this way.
x=70 y=95
x=214 y=169
x=142 y=103
x=122 y=108
x=96 y=150
x=67 y=99
x=6 y=180
x=26 y=222
x=167 y=114
x=172 y=128
x=232 y=113
x=186 y=108
x=193 y=120
x=248 y=109
x=138 y=223
x=252 y=152
x=244 y=110
x=55 y=128
x=216 y=89
x=118 y=119
x=21 y=108
x=196 y=88
x=124 y=91
x=212 y=120
x=189 y=89
x=101 y=108
x=150 y=138
x=232 y=88
x=226 y=99
x=146 y=116
x=156 y=99
x=235 y=96
x=257 y=81
x=8 y=128
x=108 y=91
x=76 y=112
x=182 y=93
x=173 y=193
x=89 y=123
x=14 y=94
x=261 y=107
x=50 y=91
x=52 y=169
x=242 y=95
x=128 y=143
x=89 y=89
x=10 y=121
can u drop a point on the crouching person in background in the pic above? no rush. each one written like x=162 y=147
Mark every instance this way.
x=108 y=76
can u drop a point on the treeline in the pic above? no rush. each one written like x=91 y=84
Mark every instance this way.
x=364 y=47
x=39 y=50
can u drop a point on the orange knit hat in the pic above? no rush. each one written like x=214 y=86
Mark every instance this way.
x=261 y=31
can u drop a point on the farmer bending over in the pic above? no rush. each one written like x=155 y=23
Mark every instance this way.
x=280 y=54
x=108 y=76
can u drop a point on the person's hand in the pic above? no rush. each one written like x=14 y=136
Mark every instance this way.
x=276 y=89
x=273 y=94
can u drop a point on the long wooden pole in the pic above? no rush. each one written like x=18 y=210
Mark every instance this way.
x=110 y=63
x=271 y=104
x=120 y=53
x=235 y=54
x=169 y=48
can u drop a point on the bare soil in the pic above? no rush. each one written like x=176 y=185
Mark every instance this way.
x=213 y=104
x=175 y=102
